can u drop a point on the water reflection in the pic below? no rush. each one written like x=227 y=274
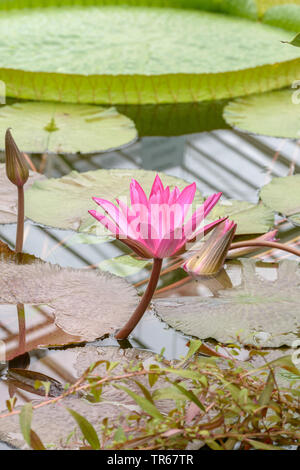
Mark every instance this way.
x=27 y=327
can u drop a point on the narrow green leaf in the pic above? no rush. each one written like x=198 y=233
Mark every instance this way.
x=187 y=374
x=189 y=395
x=36 y=442
x=25 y=422
x=87 y=429
x=145 y=404
x=195 y=344
x=266 y=394
x=262 y=446
x=153 y=377
x=145 y=392
x=168 y=393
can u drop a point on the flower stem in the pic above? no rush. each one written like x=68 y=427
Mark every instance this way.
x=145 y=301
x=278 y=246
x=22 y=328
x=20 y=224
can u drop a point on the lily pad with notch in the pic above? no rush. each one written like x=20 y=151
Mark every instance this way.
x=41 y=127
x=255 y=311
x=283 y=196
x=263 y=114
x=250 y=218
x=64 y=202
x=62 y=305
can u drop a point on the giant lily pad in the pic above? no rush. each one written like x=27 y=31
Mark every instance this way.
x=255 y=312
x=114 y=53
x=250 y=218
x=283 y=195
x=83 y=304
x=9 y=195
x=53 y=423
x=64 y=202
x=263 y=114
x=66 y=128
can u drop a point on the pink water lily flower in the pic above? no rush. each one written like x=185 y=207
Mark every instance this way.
x=156 y=226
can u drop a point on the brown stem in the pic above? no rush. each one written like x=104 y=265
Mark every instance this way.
x=22 y=328
x=278 y=246
x=141 y=308
x=20 y=224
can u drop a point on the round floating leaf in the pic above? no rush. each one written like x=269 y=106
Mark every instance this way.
x=283 y=16
x=124 y=265
x=64 y=202
x=142 y=52
x=9 y=195
x=250 y=218
x=283 y=195
x=53 y=423
x=263 y=114
x=66 y=128
x=258 y=312
x=82 y=303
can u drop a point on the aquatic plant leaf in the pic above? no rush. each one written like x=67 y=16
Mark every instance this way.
x=87 y=429
x=83 y=302
x=64 y=202
x=262 y=114
x=260 y=312
x=147 y=60
x=9 y=195
x=66 y=128
x=250 y=218
x=283 y=196
x=25 y=421
x=26 y=380
x=53 y=423
x=124 y=265
x=284 y=16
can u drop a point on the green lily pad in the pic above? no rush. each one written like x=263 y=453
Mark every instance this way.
x=124 y=265
x=40 y=127
x=283 y=195
x=263 y=114
x=9 y=195
x=283 y=16
x=256 y=312
x=114 y=53
x=81 y=305
x=64 y=202
x=250 y=218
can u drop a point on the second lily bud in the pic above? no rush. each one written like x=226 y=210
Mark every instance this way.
x=211 y=256
x=16 y=166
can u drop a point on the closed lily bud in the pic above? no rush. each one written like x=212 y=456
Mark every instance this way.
x=16 y=166
x=211 y=257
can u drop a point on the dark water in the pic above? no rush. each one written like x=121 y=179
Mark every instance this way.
x=189 y=141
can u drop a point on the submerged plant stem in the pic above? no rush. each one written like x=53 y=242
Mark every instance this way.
x=146 y=299
x=22 y=328
x=20 y=224
x=278 y=246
